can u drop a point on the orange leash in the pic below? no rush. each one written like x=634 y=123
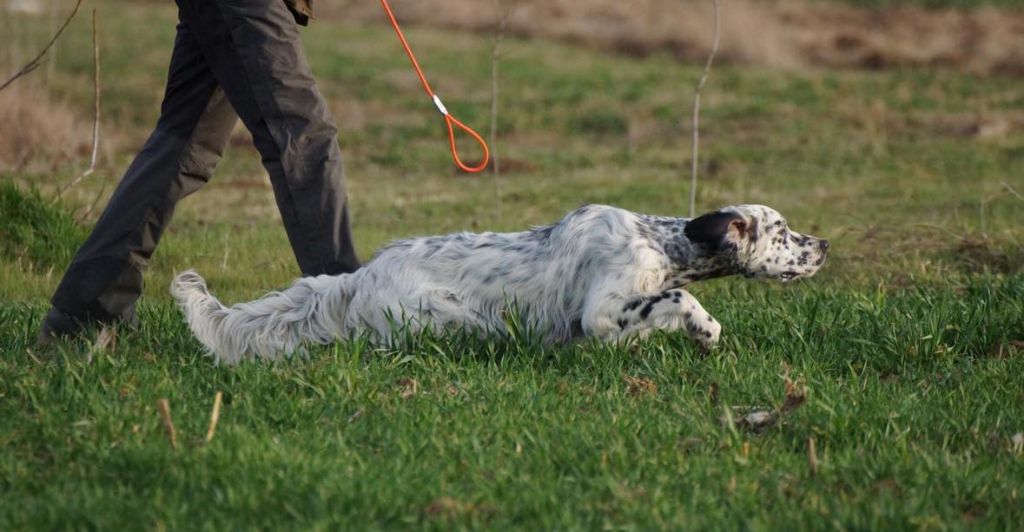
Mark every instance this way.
x=449 y=120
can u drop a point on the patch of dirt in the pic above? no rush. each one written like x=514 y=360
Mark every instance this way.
x=513 y=166
x=1006 y=349
x=787 y=33
x=450 y=508
x=980 y=254
x=990 y=126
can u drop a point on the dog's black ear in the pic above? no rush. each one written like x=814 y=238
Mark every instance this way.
x=717 y=230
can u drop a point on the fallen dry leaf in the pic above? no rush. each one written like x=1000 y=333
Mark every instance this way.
x=713 y=392
x=637 y=386
x=758 y=419
x=410 y=387
x=106 y=341
x=796 y=394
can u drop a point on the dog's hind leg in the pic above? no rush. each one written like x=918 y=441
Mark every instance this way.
x=619 y=317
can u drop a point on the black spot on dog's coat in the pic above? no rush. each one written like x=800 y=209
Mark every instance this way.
x=711 y=229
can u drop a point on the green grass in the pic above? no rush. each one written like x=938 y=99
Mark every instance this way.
x=909 y=341
x=885 y=165
x=29 y=228
x=913 y=398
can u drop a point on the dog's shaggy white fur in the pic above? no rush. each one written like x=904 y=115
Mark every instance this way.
x=600 y=271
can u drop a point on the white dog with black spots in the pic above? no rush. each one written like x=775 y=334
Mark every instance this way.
x=601 y=271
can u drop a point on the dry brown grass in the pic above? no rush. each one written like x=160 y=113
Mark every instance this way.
x=787 y=33
x=982 y=41
x=38 y=133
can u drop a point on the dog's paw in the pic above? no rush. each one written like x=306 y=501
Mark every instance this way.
x=707 y=335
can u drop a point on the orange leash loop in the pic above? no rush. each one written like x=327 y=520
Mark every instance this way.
x=449 y=120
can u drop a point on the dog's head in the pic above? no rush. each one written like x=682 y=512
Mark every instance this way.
x=759 y=241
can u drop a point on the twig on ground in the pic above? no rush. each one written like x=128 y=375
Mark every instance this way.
x=38 y=60
x=165 y=415
x=812 y=456
x=34 y=358
x=92 y=205
x=96 y=114
x=51 y=65
x=1012 y=191
x=696 y=111
x=503 y=12
x=936 y=227
x=214 y=416
x=227 y=252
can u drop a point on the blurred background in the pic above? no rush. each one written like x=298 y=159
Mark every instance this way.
x=893 y=128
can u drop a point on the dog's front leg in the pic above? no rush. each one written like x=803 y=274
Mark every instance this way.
x=618 y=317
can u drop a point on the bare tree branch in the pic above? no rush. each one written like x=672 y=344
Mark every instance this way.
x=38 y=60
x=92 y=205
x=503 y=13
x=1012 y=191
x=96 y=113
x=696 y=112
x=51 y=65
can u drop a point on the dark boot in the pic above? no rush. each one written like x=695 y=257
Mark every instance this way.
x=60 y=325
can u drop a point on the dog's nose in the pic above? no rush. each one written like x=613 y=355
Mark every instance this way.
x=823 y=244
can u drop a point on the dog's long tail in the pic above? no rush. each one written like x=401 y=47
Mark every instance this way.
x=313 y=309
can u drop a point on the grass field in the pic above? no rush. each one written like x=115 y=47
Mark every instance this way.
x=910 y=343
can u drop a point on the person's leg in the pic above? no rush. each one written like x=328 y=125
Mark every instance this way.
x=207 y=144
x=105 y=277
x=254 y=51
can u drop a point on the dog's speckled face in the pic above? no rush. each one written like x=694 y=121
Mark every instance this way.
x=763 y=244
x=775 y=251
